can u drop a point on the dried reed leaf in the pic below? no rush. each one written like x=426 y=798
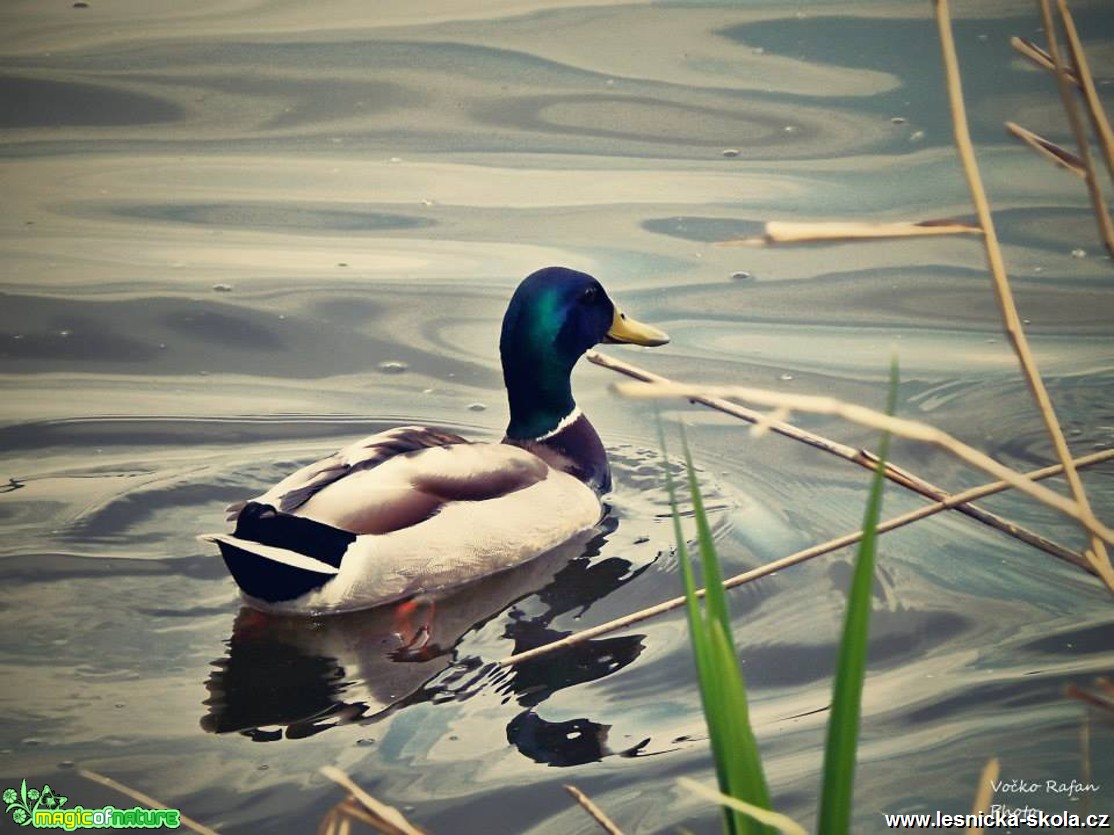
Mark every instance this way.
x=387 y=819
x=145 y=799
x=597 y=814
x=330 y=824
x=792 y=232
x=985 y=792
x=1049 y=149
x=768 y=817
x=771 y=422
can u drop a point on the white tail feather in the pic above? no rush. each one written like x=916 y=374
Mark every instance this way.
x=279 y=555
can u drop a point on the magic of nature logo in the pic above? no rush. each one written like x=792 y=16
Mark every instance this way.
x=43 y=809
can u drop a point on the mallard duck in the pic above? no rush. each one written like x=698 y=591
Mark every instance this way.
x=415 y=510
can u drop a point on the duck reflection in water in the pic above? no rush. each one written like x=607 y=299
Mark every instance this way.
x=291 y=677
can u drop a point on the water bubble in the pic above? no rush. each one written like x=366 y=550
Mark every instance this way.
x=64 y=333
x=730 y=152
x=898 y=120
x=641 y=540
x=916 y=136
x=790 y=129
x=222 y=288
x=342 y=263
x=785 y=378
x=66 y=764
x=477 y=407
x=393 y=367
x=1079 y=253
x=741 y=275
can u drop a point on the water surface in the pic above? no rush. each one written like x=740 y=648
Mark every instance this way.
x=239 y=235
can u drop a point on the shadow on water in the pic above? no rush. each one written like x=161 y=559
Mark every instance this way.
x=290 y=678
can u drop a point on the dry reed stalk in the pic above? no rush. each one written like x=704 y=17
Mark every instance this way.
x=803 y=556
x=1049 y=150
x=1071 y=108
x=1085 y=757
x=1103 y=697
x=597 y=814
x=1087 y=82
x=856 y=456
x=338 y=820
x=145 y=799
x=792 y=232
x=1039 y=56
x=1042 y=59
x=902 y=427
x=1097 y=554
x=387 y=819
x=985 y=792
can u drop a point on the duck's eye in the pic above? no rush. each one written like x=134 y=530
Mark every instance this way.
x=589 y=295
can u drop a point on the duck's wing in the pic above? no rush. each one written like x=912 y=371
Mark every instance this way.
x=395 y=479
x=411 y=487
x=366 y=454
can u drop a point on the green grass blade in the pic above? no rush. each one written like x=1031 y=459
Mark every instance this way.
x=697 y=632
x=716 y=597
x=734 y=744
x=847 y=690
x=722 y=689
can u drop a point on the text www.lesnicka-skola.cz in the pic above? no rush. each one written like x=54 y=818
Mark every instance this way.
x=999 y=818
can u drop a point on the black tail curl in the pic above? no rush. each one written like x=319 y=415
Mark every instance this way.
x=266 y=579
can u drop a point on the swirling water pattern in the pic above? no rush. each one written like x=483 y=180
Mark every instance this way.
x=236 y=234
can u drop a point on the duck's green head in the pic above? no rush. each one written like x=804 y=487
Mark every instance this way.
x=554 y=316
